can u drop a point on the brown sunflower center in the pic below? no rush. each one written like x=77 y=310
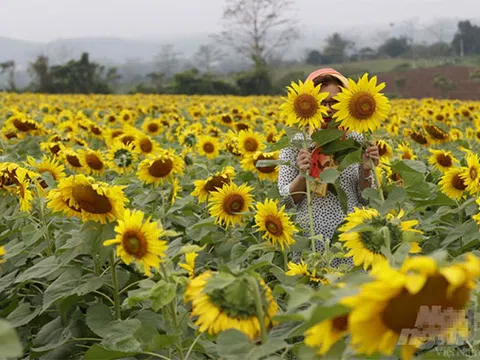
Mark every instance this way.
x=250 y=144
x=116 y=133
x=55 y=149
x=473 y=173
x=95 y=130
x=362 y=106
x=89 y=200
x=305 y=106
x=340 y=323
x=436 y=133
x=128 y=139
x=274 y=225
x=146 y=145
x=406 y=155
x=21 y=125
x=216 y=183
x=265 y=169
x=242 y=126
x=227 y=119
x=135 y=244
x=458 y=183
x=419 y=138
x=208 y=147
x=402 y=311
x=382 y=149
x=94 y=162
x=233 y=204
x=161 y=168
x=152 y=127
x=444 y=160
x=73 y=160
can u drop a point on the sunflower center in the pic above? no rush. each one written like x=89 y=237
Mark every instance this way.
x=242 y=126
x=122 y=158
x=94 y=162
x=340 y=323
x=266 y=169
x=95 y=130
x=305 y=106
x=216 y=183
x=227 y=119
x=473 y=173
x=135 y=244
x=250 y=145
x=128 y=139
x=20 y=125
x=382 y=149
x=274 y=225
x=208 y=147
x=73 y=160
x=419 y=138
x=235 y=299
x=116 y=133
x=146 y=145
x=90 y=201
x=402 y=311
x=233 y=204
x=436 y=132
x=362 y=106
x=161 y=168
x=458 y=183
x=152 y=127
x=406 y=155
x=444 y=160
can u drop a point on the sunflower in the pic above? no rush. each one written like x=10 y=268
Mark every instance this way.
x=189 y=264
x=139 y=240
x=16 y=181
x=208 y=146
x=160 y=167
x=24 y=126
x=53 y=148
x=230 y=307
x=406 y=153
x=386 y=310
x=419 y=137
x=152 y=127
x=81 y=196
x=314 y=275
x=2 y=253
x=204 y=187
x=452 y=183
x=121 y=157
x=303 y=105
x=443 y=160
x=326 y=333
x=436 y=134
x=365 y=246
x=146 y=145
x=249 y=163
x=471 y=174
x=477 y=217
x=71 y=158
x=276 y=225
x=176 y=188
x=228 y=203
x=361 y=107
x=231 y=143
x=384 y=149
x=92 y=161
x=48 y=165
x=250 y=142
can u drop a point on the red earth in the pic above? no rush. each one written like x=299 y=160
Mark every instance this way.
x=418 y=83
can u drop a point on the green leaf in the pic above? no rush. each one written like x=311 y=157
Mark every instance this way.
x=41 y=269
x=270 y=163
x=98 y=352
x=233 y=344
x=22 y=315
x=301 y=294
x=51 y=336
x=341 y=195
x=161 y=294
x=219 y=281
x=120 y=336
x=10 y=345
x=469 y=227
x=340 y=145
x=98 y=319
x=329 y=176
x=354 y=157
x=280 y=144
x=270 y=347
x=325 y=136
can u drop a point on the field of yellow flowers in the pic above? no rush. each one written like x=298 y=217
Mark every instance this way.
x=151 y=227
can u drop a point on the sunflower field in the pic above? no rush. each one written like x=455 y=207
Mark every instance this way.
x=151 y=227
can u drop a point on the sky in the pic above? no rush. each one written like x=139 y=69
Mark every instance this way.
x=48 y=20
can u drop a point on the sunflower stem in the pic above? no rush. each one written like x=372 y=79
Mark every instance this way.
x=309 y=199
x=378 y=184
x=285 y=260
x=44 y=224
x=259 y=308
x=116 y=298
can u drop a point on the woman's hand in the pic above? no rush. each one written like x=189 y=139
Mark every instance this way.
x=304 y=160
x=370 y=153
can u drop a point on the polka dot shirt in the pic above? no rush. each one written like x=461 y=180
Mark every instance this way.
x=327 y=211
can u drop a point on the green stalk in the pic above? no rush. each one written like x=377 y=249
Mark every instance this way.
x=309 y=198
x=378 y=184
x=259 y=308
x=116 y=298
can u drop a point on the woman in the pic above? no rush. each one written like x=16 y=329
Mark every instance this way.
x=327 y=211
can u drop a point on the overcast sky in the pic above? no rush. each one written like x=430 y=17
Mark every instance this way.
x=46 y=20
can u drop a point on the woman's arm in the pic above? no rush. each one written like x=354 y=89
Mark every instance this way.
x=291 y=183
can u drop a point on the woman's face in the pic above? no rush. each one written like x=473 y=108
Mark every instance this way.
x=332 y=90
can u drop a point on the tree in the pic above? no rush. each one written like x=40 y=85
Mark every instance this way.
x=395 y=47
x=167 y=61
x=335 y=50
x=314 y=57
x=9 y=68
x=467 y=39
x=207 y=57
x=39 y=71
x=257 y=29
